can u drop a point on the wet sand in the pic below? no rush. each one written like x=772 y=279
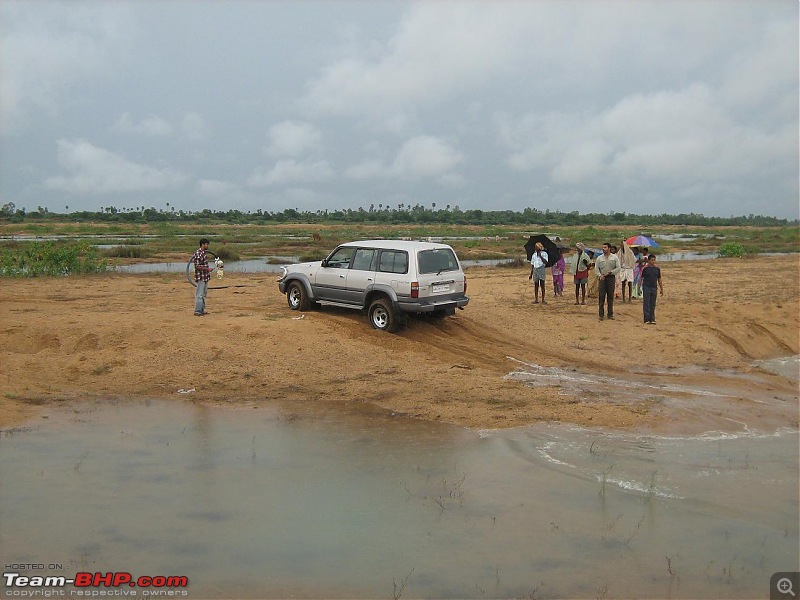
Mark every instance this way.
x=134 y=336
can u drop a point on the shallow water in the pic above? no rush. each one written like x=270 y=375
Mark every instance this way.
x=261 y=265
x=330 y=502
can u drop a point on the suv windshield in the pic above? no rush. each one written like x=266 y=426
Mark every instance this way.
x=437 y=260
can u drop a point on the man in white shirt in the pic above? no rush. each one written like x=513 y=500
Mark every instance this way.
x=538 y=264
x=627 y=260
x=606 y=267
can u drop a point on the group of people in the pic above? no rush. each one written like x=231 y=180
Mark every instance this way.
x=634 y=273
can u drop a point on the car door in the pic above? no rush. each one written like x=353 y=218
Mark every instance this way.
x=361 y=275
x=331 y=279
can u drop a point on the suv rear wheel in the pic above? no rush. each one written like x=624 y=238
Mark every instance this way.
x=382 y=315
x=297 y=297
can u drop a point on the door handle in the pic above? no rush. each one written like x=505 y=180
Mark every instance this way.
x=341 y=276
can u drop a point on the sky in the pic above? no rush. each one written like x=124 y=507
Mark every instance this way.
x=636 y=106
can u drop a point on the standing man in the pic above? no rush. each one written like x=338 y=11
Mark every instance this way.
x=607 y=267
x=627 y=261
x=538 y=264
x=202 y=275
x=580 y=271
x=651 y=276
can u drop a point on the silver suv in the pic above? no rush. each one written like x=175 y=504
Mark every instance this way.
x=388 y=278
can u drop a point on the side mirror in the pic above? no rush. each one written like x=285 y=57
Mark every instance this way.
x=325 y=262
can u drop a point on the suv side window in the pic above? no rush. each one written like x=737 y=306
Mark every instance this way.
x=341 y=258
x=363 y=259
x=393 y=261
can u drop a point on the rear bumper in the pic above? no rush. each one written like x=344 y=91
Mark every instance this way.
x=429 y=305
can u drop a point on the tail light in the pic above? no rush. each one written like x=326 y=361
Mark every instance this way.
x=415 y=289
x=465 y=284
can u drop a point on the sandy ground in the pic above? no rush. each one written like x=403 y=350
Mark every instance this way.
x=117 y=336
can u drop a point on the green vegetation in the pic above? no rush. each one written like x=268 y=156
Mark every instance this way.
x=133 y=251
x=49 y=259
x=732 y=250
x=170 y=237
x=401 y=214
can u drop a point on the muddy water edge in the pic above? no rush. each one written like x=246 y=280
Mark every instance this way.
x=356 y=503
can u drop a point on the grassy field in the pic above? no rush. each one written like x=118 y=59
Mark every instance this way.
x=166 y=241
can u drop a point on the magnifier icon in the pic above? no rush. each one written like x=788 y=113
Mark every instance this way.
x=784 y=586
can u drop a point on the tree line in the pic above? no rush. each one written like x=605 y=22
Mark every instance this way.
x=401 y=214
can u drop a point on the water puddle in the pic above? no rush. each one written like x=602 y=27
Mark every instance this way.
x=299 y=501
x=264 y=264
x=706 y=400
x=788 y=366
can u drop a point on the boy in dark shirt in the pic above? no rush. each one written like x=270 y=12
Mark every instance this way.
x=651 y=277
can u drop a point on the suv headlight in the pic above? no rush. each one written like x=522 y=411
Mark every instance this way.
x=284 y=273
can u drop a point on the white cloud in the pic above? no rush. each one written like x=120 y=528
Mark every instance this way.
x=674 y=137
x=150 y=126
x=370 y=168
x=93 y=170
x=420 y=157
x=194 y=127
x=291 y=138
x=425 y=156
x=290 y=171
x=586 y=159
x=440 y=48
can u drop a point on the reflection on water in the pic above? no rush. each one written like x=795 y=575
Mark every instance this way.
x=283 y=501
x=255 y=265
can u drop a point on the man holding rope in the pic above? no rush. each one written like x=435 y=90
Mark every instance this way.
x=202 y=275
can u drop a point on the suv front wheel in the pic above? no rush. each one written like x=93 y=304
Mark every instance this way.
x=382 y=315
x=297 y=297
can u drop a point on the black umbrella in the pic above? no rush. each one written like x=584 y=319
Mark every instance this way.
x=553 y=253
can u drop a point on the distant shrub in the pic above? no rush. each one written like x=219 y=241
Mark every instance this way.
x=126 y=252
x=227 y=253
x=732 y=250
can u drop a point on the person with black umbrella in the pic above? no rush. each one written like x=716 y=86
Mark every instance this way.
x=538 y=264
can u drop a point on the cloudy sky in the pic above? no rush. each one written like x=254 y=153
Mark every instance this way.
x=637 y=106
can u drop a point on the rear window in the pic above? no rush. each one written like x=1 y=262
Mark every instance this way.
x=437 y=260
x=393 y=261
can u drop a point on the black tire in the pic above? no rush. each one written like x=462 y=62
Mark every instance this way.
x=382 y=315
x=297 y=297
